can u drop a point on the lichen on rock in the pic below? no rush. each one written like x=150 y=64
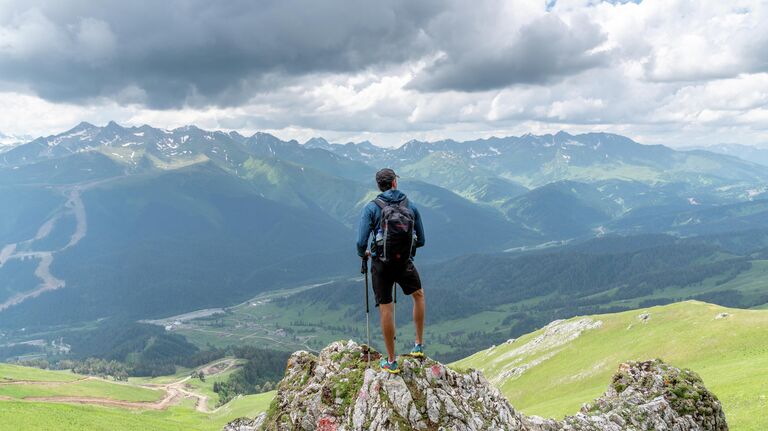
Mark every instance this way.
x=337 y=391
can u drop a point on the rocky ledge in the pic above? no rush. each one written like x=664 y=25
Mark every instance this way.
x=336 y=391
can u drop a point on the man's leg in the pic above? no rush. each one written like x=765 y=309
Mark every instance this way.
x=388 y=329
x=419 y=308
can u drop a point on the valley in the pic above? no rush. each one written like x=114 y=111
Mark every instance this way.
x=240 y=195
x=161 y=250
x=310 y=317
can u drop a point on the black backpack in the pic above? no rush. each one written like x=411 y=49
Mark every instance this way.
x=395 y=243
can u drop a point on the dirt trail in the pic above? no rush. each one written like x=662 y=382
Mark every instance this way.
x=171 y=397
x=174 y=392
x=43 y=272
x=6 y=253
x=43 y=383
x=75 y=206
x=219 y=367
x=46 y=228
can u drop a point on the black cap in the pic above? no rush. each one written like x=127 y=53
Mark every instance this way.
x=386 y=176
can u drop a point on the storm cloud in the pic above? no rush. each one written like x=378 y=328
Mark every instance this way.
x=541 y=51
x=198 y=52
x=166 y=54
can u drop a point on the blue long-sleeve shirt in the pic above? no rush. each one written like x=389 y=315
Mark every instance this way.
x=371 y=218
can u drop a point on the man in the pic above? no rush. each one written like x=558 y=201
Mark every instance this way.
x=393 y=266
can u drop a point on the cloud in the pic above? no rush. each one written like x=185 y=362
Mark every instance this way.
x=197 y=52
x=664 y=71
x=541 y=51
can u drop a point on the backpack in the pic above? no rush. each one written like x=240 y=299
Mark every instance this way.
x=394 y=239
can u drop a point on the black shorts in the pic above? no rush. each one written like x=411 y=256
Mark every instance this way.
x=384 y=276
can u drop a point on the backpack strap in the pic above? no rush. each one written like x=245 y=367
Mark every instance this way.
x=380 y=203
x=404 y=203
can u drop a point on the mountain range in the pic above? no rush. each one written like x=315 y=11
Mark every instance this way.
x=744 y=152
x=9 y=141
x=142 y=222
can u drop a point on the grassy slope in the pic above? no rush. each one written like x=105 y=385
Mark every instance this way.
x=66 y=384
x=65 y=417
x=730 y=354
x=32 y=415
x=10 y=372
x=82 y=388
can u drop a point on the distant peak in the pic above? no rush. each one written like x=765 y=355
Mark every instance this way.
x=367 y=145
x=187 y=128
x=411 y=143
x=317 y=142
x=260 y=138
x=84 y=125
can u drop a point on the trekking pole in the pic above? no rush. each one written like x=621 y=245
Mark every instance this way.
x=394 y=314
x=364 y=270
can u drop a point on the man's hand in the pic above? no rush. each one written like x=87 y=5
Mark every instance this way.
x=364 y=268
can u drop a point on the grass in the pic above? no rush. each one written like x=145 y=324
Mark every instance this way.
x=729 y=354
x=82 y=388
x=17 y=413
x=10 y=372
x=20 y=415
x=181 y=372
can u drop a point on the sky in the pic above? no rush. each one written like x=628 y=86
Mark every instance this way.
x=673 y=72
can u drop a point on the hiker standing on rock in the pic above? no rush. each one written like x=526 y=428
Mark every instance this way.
x=397 y=232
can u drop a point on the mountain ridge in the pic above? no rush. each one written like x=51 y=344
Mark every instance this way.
x=337 y=391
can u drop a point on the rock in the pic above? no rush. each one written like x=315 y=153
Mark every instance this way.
x=722 y=316
x=542 y=348
x=645 y=317
x=245 y=424
x=334 y=391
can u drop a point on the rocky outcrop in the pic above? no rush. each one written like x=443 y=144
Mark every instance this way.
x=336 y=391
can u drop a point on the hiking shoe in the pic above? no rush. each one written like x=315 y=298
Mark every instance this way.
x=417 y=351
x=390 y=367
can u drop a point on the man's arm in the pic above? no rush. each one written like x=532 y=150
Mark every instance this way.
x=364 y=230
x=419 y=228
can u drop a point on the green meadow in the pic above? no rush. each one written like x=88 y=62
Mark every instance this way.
x=24 y=415
x=19 y=410
x=730 y=353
